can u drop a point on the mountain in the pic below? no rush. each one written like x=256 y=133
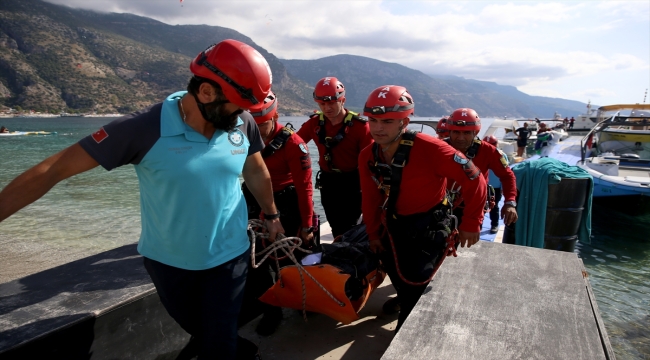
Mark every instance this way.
x=434 y=95
x=54 y=58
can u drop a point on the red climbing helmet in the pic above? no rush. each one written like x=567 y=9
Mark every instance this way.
x=265 y=110
x=464 y=119
x=441 y=127
x=241 y=71
x=389 y=102
x=329 y=89
x=491 y=139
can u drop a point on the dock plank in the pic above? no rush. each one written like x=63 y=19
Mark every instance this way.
x=501 y=301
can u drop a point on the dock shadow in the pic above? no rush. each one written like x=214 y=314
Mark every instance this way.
x=323 y=337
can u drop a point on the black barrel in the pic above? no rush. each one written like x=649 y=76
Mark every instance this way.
x=509 y=234
x=564 y=210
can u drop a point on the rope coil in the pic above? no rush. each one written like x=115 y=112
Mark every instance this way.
x=257 y=229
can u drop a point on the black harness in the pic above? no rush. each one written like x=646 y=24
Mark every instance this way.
x=470 y=154
x=389 y=178
x=331 y=142
x=427 y=233
x=278 y=141
x=473 y=149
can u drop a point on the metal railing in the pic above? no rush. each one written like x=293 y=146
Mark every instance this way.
x=614 y=120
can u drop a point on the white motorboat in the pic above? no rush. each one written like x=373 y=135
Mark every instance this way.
x=504 y=131
x=616 y=152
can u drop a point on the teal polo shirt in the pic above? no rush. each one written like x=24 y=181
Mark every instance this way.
x=193 y=212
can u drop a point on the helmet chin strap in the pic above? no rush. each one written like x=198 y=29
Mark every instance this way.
x=401 y=131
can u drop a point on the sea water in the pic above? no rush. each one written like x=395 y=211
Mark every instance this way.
x=99 y=210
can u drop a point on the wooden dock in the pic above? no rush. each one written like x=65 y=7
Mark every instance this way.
x=500 y=301
x=494 y=301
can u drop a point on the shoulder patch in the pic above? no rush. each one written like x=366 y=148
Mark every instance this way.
x=303 y=148
x=99 y=135
x=236 y=137
x=460 y=158
x=504 y=158
x=468 y=166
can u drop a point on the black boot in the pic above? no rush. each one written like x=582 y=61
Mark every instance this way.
x=247 y=350
x=391 y=306
x=270 y=321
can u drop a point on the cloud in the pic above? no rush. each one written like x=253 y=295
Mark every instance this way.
x=513 y=43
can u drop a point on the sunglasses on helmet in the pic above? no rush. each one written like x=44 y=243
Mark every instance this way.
x=464 y=123
x=245 y=93
x=380 y=110
x=267 y=110
x=329 y=97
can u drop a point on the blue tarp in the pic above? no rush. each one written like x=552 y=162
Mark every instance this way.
x=533 y=179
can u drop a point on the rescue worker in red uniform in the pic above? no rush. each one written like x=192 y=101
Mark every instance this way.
x=495 y=182
x=441 y=128
x=409 y=227
x=339 y=135
x=287 y=159
x=464 y=125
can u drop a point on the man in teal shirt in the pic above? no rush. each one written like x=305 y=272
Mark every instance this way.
x=188 y=152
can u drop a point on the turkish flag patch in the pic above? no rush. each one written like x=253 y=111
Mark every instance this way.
x=100 y=135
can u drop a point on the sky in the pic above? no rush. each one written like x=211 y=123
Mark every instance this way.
x=584 y=51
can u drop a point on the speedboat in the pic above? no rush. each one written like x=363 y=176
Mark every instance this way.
x=504 y=131
x=616 y=152
x=22 y=133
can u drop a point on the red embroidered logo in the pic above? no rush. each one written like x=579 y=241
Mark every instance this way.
x=100 y=135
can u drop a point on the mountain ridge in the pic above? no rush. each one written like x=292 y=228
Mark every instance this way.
x=59 y=59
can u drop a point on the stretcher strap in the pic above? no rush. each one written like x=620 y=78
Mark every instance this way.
x=256 y=228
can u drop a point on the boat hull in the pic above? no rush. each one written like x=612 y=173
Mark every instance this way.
x=611 y=186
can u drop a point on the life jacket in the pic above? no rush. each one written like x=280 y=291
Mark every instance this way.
x=347 y=275
x=278 y=141
x=331 y=142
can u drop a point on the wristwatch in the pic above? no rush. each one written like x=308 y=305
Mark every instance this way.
x=511 y=203
x=308 y=230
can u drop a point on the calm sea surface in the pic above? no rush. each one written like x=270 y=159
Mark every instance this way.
x=99 y=210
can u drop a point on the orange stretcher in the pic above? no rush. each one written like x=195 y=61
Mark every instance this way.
x=289 y=292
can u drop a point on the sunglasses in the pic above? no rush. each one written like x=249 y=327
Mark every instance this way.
x=380 y=110
x=329 y=97
x=267 y=110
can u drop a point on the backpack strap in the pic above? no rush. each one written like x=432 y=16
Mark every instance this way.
x=400 y=159
x=472 y=150
x=331 y=142
x=277 y=142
